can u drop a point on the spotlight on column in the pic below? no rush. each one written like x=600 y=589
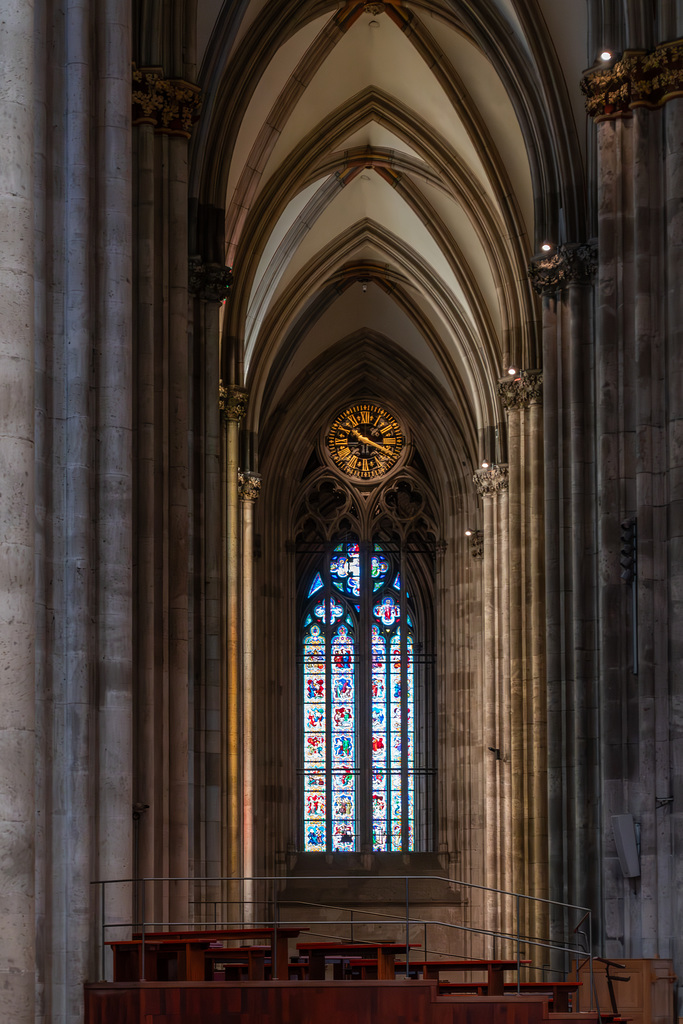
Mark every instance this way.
x=606 y=55
x=468 y=533
x=512 y=370
x=546 y=246
x=484 y=464
x=628 y=550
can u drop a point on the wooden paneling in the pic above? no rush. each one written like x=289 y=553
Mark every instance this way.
x=646 y=998
x=329 y=1002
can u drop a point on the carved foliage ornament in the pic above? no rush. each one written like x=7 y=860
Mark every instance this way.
x=209 y=281
x=232 y=400
x=521 y=391
x=172 y=106
x=477 y=544
x=249 y=486
x=571 y=264
x=638 y=79
x=491 y=481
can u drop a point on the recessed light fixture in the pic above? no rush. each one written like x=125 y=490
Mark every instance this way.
x=606 y=55
x=546 y=246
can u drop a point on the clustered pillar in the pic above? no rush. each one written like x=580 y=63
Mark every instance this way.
x=515 y=749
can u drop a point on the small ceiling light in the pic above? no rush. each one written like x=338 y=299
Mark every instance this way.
x=374 y=24
x=512 y=370
x=606 y=55
x=468 y=533
x=365 y=287
x=484 y=464
x=546 y=247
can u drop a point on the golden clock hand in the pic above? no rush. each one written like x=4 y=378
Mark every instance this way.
x=368 y=440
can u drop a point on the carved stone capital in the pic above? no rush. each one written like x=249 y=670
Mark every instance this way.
x=477 y=544
x=521 y=391
x=374 y=8
x=249 y=486
x=570 y=264
x=640 y=78
x=172 y=106
x=209 y=281
x=232 y=401
x=491 y=481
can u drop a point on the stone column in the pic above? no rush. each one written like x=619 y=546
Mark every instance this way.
x=209 y=283
x=492 y=487
x=673 y=737
x=564 y=281
x=164 y=111
x=114 y=472
x=233 y=401
x=249 y=489
x=17 y=542
x=521 y=398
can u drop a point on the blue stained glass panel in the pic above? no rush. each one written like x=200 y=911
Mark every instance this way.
x=316 y=585
x=379 y=567
x=336 y=611
x=345 y=568
x=315 y=837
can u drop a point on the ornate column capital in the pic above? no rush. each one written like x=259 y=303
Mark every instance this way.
x=232 y=401
x=210 y=281
x=574 y=263
x=639 y=78
x=521 y=391
x=491 y=481
x=170 y=105
x=249 y=485
x=477 y=544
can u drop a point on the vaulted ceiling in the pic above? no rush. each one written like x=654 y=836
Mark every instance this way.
x=388 y=170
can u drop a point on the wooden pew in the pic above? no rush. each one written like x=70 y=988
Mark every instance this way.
x=181 y=955
x=383 y=953
x=559 y=991
x=495 y=971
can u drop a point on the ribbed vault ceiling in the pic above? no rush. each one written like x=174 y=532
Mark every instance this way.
x=387 y=169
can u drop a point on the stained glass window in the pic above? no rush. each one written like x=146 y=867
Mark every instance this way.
x=358 y=704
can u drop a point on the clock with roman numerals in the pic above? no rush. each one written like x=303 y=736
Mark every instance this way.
x=365 y=441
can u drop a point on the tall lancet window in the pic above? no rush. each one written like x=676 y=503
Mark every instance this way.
x=364 y=695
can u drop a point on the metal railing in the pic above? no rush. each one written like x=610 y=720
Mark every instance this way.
x=272 y=902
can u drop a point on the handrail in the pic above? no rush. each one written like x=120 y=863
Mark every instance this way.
x=272 y=896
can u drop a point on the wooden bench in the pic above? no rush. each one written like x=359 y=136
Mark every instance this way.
x=495 y=971
x=381 y=953
x=182 y=955
x=245 y=963
x=559 y=991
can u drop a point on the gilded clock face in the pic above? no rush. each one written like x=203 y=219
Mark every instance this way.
x=365 y=441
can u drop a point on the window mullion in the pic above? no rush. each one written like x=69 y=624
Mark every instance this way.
x=364 y=705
